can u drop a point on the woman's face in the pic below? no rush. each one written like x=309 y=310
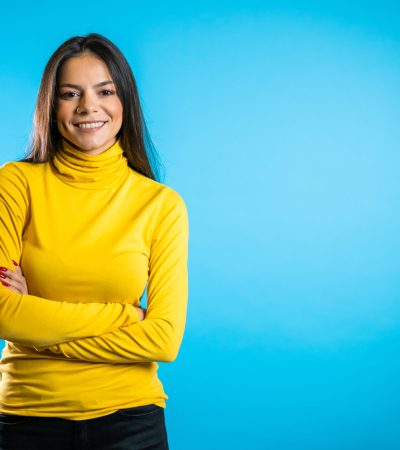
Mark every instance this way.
x=86 y=94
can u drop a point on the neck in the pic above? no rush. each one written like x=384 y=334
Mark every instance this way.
x=79 y=169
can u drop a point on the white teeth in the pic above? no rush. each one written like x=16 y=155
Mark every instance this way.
x=91 y=125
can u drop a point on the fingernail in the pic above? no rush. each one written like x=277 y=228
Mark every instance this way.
x=15 y=264
x=4 y=283
x=4 y=269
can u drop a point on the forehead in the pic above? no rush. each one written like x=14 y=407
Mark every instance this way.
x=82 y=69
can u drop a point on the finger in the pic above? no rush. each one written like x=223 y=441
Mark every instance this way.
x=12 y=286
x=17 y=267
x=11 y=274
x=13 y=279
x=5 y=274
x=19 y=277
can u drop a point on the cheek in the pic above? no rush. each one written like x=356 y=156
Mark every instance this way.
x=62 y=114
x=117 y=111
x=64 y=125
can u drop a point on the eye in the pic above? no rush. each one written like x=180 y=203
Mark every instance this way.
x=69 y=94
x=107 y=92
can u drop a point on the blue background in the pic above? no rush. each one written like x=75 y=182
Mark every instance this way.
x=278 y=123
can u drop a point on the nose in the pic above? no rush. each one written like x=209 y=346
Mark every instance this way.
x=87 y=104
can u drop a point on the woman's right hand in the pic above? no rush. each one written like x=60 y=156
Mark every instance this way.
x=15 y=281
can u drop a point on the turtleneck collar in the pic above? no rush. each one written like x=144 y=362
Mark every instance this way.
x=78 y=169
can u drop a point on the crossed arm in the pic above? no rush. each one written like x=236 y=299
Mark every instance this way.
x=157 y=337
x=98 y=332
x=30 y=320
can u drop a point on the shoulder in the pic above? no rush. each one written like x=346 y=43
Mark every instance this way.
x=20 y=174
x=171 y=198
x=14 y=185
x=20 y=169
x=11 y=168
x=171 y=202
x=172 y=212
x=13 y=174
x=161 y=194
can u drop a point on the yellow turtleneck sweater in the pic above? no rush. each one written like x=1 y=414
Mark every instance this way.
x=89 y=233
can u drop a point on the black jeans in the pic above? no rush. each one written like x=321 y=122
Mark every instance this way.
x=137 y=428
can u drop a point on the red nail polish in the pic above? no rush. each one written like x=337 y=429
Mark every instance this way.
x=2 y=275
x=4 y=269
x=4 y=283
x=15 y=264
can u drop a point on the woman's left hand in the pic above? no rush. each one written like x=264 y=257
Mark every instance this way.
x=15 y=280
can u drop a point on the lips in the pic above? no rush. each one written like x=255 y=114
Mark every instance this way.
x=90 y=126
x=89 y=121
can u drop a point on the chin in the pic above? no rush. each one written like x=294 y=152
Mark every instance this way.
x=89 y=142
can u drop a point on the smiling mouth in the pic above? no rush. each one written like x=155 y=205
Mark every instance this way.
x=90 y=125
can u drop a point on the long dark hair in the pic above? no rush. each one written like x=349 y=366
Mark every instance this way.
x=134 y=136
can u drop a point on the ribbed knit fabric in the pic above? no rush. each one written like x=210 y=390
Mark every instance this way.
x=80 y=170
x=89 y=233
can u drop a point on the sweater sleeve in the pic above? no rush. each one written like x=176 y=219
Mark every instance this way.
x=158 y=337
x=30 y=320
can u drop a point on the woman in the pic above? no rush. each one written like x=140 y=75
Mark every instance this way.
x=84 y=226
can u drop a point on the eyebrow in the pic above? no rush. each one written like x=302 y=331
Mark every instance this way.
x=77 y=86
